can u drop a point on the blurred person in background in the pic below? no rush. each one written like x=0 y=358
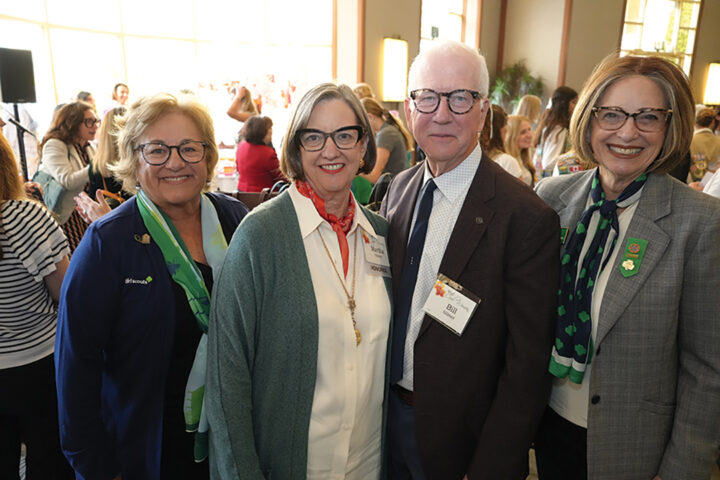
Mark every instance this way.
x=518 y=141
x=529 y=106
x=66 y=154
x=257 y=163
x=33 y=260
x=551 y=137
x=107 y=191
x=392 y=139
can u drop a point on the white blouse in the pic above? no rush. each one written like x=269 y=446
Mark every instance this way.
x=346 y=418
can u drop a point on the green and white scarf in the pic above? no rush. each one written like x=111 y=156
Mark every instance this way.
x=185 y=273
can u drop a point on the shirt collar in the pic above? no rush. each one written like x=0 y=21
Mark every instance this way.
x=457 y=181
x=309 y=218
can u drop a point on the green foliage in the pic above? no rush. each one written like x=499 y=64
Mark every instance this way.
x=512 y=83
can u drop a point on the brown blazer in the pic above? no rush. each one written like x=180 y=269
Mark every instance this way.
x=479 y=397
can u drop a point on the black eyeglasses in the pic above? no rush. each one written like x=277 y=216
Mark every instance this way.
x=646 y=119
x=459 y=101
x=157 y=153
x=91 y=122
x=345 y=138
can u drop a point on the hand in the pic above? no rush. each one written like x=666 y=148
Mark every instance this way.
x=32 y=187
x=89 y=209
x=696 y=186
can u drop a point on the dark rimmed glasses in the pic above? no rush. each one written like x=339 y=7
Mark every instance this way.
x=459 y=101
x=648 y=120
x=345 y=138
x=157 y=153
x=91 y=122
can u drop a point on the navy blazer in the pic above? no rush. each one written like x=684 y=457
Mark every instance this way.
x=116 y=324
x=479 y=397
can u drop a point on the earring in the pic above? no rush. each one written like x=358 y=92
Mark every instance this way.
x=362 y=163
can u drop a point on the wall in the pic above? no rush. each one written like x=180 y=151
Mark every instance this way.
x=707 y=48
x=489 y=32
x=595 y=29
x=533 y=31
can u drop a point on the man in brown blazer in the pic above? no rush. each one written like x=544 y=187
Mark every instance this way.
x=475 y=260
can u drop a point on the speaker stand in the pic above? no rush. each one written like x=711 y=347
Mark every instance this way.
x=21 y=131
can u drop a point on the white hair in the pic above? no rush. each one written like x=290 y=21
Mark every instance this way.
x=442 y=48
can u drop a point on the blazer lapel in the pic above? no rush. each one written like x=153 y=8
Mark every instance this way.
x=400 y=224
x=471 y=225
x=655 y=203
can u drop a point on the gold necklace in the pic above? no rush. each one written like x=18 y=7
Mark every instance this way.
x=350 y=297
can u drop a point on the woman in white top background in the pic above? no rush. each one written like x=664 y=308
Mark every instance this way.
x=551 y=137
x=518 y=139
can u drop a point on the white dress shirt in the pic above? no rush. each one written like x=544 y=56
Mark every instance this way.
x=344 y=439
x=569 y=399
x=448 y=199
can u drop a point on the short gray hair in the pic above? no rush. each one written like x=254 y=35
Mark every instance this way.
x=290 y=157
x=442 y=48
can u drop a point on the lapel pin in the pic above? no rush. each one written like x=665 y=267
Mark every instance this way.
x=478 y=220
x=632 y=256
x=144 y=238
x=563 y=235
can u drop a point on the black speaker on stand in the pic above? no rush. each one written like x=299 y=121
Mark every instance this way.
x=17 y=85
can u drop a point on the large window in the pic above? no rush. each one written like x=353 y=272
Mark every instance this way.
x=441 y=19
x=206 y=46
x=661 y=27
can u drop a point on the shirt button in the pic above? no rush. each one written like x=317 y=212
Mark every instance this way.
x=350 y=368
x=595 y=399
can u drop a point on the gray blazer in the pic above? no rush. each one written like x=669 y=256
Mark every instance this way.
x=655 y=383
x=63 y=162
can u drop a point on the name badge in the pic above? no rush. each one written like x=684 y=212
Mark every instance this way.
x=450 y=304
x=376 y=254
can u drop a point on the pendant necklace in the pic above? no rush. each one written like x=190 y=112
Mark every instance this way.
x=350 y=296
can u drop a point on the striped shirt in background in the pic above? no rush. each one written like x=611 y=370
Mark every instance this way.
x=32 y=243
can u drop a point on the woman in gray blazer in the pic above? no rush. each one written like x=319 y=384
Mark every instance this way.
x=637 y=350
x=66 y=154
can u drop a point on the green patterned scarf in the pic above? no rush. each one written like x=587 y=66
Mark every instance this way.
x=185 y=273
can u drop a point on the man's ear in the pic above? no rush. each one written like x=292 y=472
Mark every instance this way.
x=408 y=117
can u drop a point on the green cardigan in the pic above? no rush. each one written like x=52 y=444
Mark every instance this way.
x=262 y=349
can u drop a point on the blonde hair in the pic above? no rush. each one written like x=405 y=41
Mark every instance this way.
x=373 y=106
x=514 y=125
x=678 y=97
x=107 y=151
x=246 y=102
x=290 y=156
x=143 y=114
x=529 y=106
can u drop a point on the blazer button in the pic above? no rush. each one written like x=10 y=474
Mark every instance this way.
x=595 y=399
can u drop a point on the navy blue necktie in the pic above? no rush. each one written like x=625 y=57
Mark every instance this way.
x=403 y=302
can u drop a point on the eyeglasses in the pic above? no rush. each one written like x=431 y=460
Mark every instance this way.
x=91 y=122
x=646 y=119
x=459 y=101
x=345 y=138
x=156 y=153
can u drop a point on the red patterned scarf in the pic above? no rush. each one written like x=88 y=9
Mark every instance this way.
x=341 y=226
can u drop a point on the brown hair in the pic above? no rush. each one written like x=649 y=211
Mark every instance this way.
x=373 y=106
x=66 y=122
x=491 y=141
x=705 y=118
x=290 y=157
x=255 y=129
x=558 y=114
x=144 y=113
x=678 y=97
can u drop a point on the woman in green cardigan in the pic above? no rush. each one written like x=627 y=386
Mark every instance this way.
x=302 y=311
